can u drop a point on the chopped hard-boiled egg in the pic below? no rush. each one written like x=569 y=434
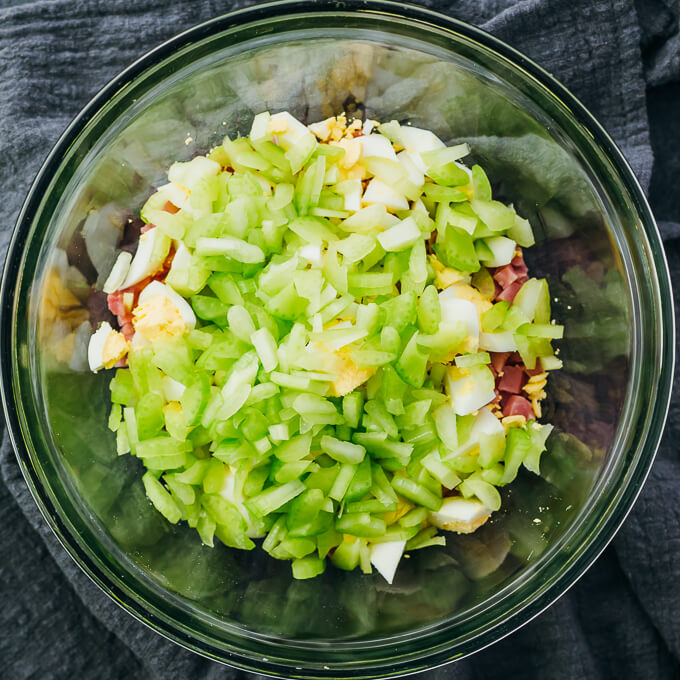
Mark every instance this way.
x=469 y=389
x=385 y=557
x=379 y=192
x=152 y=250
x=106 y=348
x=350 y=376
x=172 y=389
x=118 y=273
x=287 y=129
x=311 y=253
x=486 y=423
x=463 y=291
x=190 y=174
x=498 y=342
x=162 y=313
x=413 y=173
x=454 y=309
x=502 y=249
x=377 y=146
x=461 y=515
x=416 y=141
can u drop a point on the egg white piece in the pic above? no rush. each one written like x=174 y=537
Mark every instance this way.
x=152 y=250
x=377 y=146
x=453 y=309
x=353 y=199
x=105 y=348
x=95 y=348
x=292 y=129
x=191 y=173
x=503 y=250
x=467 y=394
x=311 y=253
x=172 y=389
x=379 y=192
x=498 y=342
x=158 y=289
x=118 y=273
x=385 y=557
x=417 y=140
x=413 y=173
x=486 y=423
x=460 y=514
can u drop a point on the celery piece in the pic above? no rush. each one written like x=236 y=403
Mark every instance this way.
x=308 y=567
x=414 y=517
x=122 y=387
x=493 y=318
x=346 y=555
x=342 y=451
x=469 y=360
x=382 y=418
x=377 y=444
x=429 y=312
x=342 y=481
x=400 y=311
x=235 y=248
x=161 y=499
x=457 y=250
x=210 y=309
x=412 y=363
x=521 y=232
x=352 y=407
x=491 y=449
x=518 y=445
x=274 y=497
x=115 y=417
x=327 y=541
x=444 y=194
x=361 y=482
x=485 y=492
x=480 y=184
x=265 y=346
x=294 y=449
x=416 y=492
x=360 y=524
x=240 y=323
x=495 y=215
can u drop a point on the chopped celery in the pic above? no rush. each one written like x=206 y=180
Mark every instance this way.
x=306 y=365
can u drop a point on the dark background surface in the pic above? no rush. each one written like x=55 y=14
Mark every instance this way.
x=623 y=60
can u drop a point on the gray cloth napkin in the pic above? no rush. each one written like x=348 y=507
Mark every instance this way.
x=620 y=620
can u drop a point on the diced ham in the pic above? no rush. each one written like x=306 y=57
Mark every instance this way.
x=497 y=290
x=509 y=292
x=146 y=227
x=522 y=279
x=518 y=406
x=515 y=358
x=498 y=360
x=518 y=260
x=116 y=304
x=504 y=276
x=534 y=371
x=511 y=380
x=521 y=269
x=128 y=330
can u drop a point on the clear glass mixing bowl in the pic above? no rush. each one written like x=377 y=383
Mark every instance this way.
x=597 y=244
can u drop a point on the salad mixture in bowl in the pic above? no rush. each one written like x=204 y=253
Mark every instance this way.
x=328 y=339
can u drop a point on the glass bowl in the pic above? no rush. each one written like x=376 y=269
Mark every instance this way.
x=596 y=243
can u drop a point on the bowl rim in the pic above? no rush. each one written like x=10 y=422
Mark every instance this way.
x=420 y=16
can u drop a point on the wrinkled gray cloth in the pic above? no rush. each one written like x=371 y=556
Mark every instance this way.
x=621 y=619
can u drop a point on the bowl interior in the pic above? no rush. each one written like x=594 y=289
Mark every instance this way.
x=590 y=245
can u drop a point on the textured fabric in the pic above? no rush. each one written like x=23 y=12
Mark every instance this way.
x=620 y=620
